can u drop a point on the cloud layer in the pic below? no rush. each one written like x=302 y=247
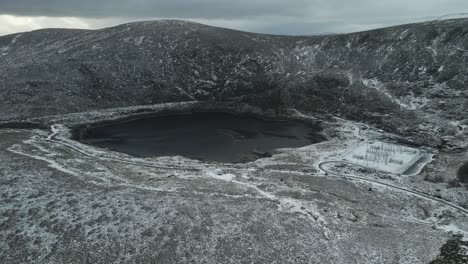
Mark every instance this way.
x=266 y=16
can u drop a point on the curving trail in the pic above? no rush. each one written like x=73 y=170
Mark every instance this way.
x=320 y=166
x=357 y=134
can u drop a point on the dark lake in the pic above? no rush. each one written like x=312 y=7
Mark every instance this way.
x=207 y=136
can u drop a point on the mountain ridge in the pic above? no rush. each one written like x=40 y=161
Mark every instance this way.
x=408 y=79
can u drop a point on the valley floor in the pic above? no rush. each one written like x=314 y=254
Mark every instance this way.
x=64 y=202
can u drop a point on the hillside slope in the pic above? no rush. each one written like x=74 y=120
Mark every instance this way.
x=409 y=79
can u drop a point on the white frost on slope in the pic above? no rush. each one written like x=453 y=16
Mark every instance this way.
x=5 y=49
x=103 y=177
x=227 y=177
x=55 y=130
x=454 y=229
x=403 y=34
x=139 y=40
x=409 y=102
x=307 y=209
x=413 y=102
x=220 y=176
x=288 y=205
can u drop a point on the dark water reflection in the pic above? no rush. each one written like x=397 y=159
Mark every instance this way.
x=217 y=137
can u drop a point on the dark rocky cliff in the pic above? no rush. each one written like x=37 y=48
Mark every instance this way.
x=409 y=79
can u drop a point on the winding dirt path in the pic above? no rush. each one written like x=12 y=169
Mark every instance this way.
x=320 y=166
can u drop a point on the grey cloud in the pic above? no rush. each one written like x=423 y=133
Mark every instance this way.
x=337 y=9
x=147 y=8
x=266 y=16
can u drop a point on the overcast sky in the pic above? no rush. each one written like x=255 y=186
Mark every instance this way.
x=263 y=16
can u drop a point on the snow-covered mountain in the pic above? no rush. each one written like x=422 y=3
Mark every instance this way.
x=409 y=79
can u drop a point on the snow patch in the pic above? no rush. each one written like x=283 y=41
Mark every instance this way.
x=5 y=49
x=410 y=102
x=217 y=174
x=221 y=176
x=308 y=210
x=403 y=34
x=454 y=229
x=433 y=51
x=56 y=129
x=139 y=40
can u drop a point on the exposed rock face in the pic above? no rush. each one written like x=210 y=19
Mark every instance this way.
x=409 y=79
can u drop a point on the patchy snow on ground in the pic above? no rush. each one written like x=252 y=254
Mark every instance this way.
x=5 y=49
x=383 y=156
x=410 y=102
x=139 y=40
x=454 y=229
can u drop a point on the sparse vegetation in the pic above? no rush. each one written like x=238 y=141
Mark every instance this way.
x=463 y=173
x=453 y=251
x=434 y=178
x=453 y=183
x=407 y=80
